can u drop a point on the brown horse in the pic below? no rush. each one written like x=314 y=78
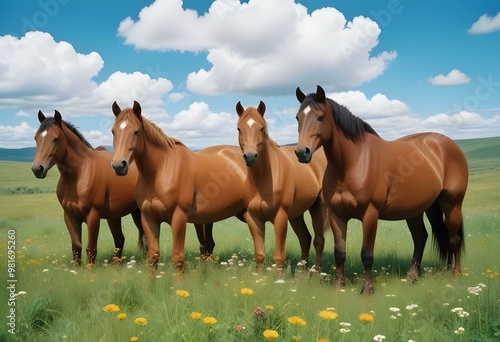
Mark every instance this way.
x=175 y=185
x=368 y=178
x=87 y=189
x=278 y=189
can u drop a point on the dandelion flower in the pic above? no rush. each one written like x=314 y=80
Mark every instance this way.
x=133 y=338
x=268 y=307
x=195 y=315
x=270 y=334
x=209 y=320
x=246 y=291
x=141 y=321
x=366 y=318
x=328 y=315
x=111 y=308
x=296 y=320
x=182 y=293
x=323 y=340
x=122 y=316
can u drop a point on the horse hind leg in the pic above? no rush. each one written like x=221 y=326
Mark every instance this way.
x=115 y=226
x=141 y=241
x=204 y=232
x=419 y=236
x=454 y=224
x=300 y=228
x=321 y=223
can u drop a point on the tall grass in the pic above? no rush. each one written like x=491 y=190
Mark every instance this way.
x=57 y=302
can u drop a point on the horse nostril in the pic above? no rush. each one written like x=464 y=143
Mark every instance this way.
x=307 y=151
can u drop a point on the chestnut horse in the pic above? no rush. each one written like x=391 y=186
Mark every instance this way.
x=87 y=189
x=175 y=185
x=368 y=178
x=278 y=189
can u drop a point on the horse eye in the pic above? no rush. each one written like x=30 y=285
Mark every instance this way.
x=55 y=140
x=262 y=129
x=136 y=133
x=320 y=118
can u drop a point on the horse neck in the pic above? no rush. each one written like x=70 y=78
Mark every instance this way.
x=154 y=156
x=263 y=167
x=342 y=152
x=77 y=153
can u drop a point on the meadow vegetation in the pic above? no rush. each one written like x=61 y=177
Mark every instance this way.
x=223 y=299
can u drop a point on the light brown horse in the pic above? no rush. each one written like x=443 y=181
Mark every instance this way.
x=278 y=189
x=368 y=178
x=175 y=185
x=88 y=189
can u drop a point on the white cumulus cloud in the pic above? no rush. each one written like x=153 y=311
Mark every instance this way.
x=454 y=77
x=485 y=24
x=253 y=50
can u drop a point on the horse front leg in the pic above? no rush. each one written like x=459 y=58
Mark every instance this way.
x=280 y=228
x=299 y=227
x=74 y=226
x=257 y=229
x=151 y=229
x=369 y=222
x=115 y=226
x=178 y=224
x=93 y=223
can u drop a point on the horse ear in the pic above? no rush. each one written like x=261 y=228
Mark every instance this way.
x=116 y=109
x=320 y=94
x=300 y=95
x=137 y=109
x=58 y=118
x=239 y=108
x=261 y=108
x=41 y=117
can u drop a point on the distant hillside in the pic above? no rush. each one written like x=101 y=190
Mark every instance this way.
x=24 y=154
x=18 y=154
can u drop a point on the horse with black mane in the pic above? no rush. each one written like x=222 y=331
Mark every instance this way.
x=368 y=178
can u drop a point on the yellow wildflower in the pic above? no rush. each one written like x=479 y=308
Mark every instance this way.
x=141 y=321
x=323 y=340
x=246 y=291
x=328 y=315
x=270 y=334
x=133 y=338
x=296 y=320
x=269 y=307
x=195 y=315
x=209 y=320
x=366 y=318
x=182 y=293
x=111 y=308
x=122 y=316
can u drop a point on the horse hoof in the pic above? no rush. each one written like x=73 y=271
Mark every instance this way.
x=89 y=265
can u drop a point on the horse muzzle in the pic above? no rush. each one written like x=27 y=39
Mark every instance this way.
x=120 y=169
x=250 y=158
x=39 y=171
x=304 y=154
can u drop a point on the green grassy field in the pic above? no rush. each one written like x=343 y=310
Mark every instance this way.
x=54 y=301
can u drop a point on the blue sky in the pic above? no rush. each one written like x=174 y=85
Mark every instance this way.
x=404 y=66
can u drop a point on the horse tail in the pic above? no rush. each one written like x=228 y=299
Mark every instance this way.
x=440 y=234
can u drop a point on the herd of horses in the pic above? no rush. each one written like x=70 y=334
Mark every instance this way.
x=339 y=169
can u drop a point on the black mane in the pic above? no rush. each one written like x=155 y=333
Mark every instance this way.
x=49 y=121
x=352 y=126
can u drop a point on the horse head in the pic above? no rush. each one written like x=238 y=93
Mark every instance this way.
x=50 y=144
x=313 y=130
x=127 y=137
x=252 y=131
